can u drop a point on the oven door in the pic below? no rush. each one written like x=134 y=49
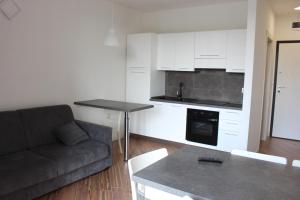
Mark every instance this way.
x=202 y=129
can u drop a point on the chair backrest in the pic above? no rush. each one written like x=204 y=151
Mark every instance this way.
x=142 y=161
x=259 y=156
x=296 y=163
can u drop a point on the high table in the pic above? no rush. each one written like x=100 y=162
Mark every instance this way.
x=125 y=107
x=238 y=178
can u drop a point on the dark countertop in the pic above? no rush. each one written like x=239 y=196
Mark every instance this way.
x=196 y=102
x=114 y=105
x=237 y=178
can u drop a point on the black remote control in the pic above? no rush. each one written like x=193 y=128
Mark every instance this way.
x=210 y=160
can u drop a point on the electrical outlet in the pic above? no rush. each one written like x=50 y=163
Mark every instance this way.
x=108 y=116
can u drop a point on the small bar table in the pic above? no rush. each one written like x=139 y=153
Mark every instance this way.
x=125 y=107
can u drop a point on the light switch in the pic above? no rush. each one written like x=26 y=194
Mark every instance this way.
x=9 y=8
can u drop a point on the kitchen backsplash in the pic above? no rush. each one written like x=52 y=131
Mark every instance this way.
x=208 y=84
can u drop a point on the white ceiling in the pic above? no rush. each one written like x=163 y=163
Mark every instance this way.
x=283 y=7
x=156 y=5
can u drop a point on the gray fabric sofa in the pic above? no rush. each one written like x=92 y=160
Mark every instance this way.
x=33 y=162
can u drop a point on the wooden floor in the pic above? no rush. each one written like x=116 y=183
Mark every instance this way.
x=281 y=147
x=114 y=184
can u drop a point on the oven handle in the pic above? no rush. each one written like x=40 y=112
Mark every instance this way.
x=212 y=120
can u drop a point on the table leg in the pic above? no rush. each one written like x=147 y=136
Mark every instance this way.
x=126 y=136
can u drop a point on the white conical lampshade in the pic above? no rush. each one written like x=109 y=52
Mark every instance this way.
x=111 y=38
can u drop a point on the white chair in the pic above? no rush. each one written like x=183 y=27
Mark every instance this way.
x=296 y=163
x=140 y=162
x=259 y=156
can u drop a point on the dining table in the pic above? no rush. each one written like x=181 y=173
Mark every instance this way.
x=123 y=106
x=222 y=176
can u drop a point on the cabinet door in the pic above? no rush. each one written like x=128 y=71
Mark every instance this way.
x=166 y=51
x=139 y=50
x=166 y=121
x=177 y=115
x=210 y=45
x=138 y=85
x=236 y=51
x=185 y=52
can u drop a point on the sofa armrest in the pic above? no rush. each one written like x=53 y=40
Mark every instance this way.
x=97 y=132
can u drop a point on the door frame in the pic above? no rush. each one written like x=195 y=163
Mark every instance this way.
x=275 y=79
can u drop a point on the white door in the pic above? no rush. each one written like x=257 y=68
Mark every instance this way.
x=286 y=114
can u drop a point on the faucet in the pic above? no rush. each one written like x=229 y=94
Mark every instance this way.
x=179 y=92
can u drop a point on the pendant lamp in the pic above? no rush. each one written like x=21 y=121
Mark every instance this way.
x=111 y=38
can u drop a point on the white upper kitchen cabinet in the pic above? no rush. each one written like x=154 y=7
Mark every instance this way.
x=138 y=85
x=210 y=50
x=184 y=51
x=211 y=44
x=236 y=50
x=166 y=51
x=139 y=48
x=176 y=51
x=142 y=79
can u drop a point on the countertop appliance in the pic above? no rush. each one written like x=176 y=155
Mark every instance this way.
x=202 y=126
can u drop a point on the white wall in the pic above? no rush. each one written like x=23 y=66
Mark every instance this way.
x=213 y=17
x=283 y=30
x=261 y=21
x=53 y=53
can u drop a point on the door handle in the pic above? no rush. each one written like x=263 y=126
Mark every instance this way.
x=279 y=88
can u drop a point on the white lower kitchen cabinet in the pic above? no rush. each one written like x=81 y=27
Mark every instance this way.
x=229 y=140
x=164 y=121
x=167 y=121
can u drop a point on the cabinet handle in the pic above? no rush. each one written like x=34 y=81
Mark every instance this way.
x=231 y=134
x=232 y=112
x=135 y=72
x=232 y=123
x=209 y=55
x=136 y=67
x=183 y=68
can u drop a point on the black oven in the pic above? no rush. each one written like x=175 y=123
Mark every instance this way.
x=202 y=126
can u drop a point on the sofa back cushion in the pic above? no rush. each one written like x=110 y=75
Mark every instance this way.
x=39 y=123
x=12 y=137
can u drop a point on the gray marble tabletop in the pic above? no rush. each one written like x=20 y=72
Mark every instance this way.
x=238 y=178
x=114 y=105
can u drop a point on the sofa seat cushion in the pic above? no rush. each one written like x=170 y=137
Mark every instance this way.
x=23 y=169
x=70 y=158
